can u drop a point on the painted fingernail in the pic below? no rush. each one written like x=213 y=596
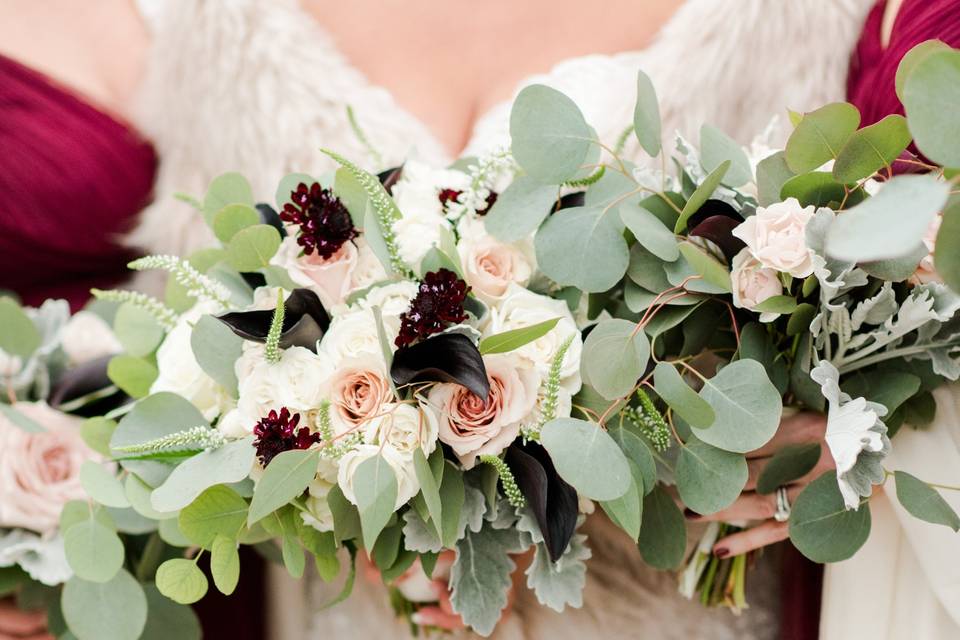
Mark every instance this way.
x=721 y=552
x=691 y=515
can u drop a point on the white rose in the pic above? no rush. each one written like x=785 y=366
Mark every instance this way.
x=294 y=382
x=393 y=299
x=417 y=195
x=776 y=237
x=354 y=336
x=318 y=514
x=753 y=283
x=405 y=428
x=407 y=485
x=87 y=337
x=523 y=308
x=491 y=266
x=179 y=372
x=369 y=269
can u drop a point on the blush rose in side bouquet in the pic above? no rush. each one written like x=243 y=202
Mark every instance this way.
x=394 y=365
x=53 y=539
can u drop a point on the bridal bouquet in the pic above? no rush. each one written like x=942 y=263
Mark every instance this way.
x=471 y=358
x=53 y=452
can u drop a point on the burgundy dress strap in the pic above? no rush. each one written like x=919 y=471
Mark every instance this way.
x=72 y=179
x=873 y=67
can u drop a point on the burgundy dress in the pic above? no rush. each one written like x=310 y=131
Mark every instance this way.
x=72 y=179
x=870 y=86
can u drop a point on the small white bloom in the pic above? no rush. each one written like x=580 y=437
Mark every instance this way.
x=417 y=194
x=294 y=382
x=87 y=337
x=776 y=237
x=318 y=514
x=853 y=428
x=393 y=299
x=407 y=485
x=179 y=372
x=405 y=428
x=522 y=308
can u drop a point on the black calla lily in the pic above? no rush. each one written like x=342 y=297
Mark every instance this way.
x=719 y=230
x=88 y=380
x=304 y=321
x=444 y=357
x=552 y=500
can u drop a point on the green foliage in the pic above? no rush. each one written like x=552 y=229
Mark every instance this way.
x=514 y=339
x=217 y=512
x=614 y=357
x=922 y=501
x=430 y=483
x=717 y=147
x=746 y=404
x=639 y=455
x=910 y=60
x=646 y=115
x=930 y=96
x=709 y=479
x=520 y=209
x=708 y=267
x=453 y=497
x=271 y=349
x=871 y=149
x=94 y=552
x=166 y=619
x=102 y=486
x=701 y=195
x=19 y=336
x=947 y=250
x=816 y=188
x=216 y=349
x=230 y=463
x=627 y=510
x=772 y=174
x=112 y=610
x=550 y=138
x=820 y=136
x=226 y=189
x=507 y=481
x=287 y=476
x=96 y=433
x=587 y=457
x=227 y=222
x=252 y=247
x=578 y=236
x=822 y=528
x=877 y=229
x=649 y=231
x=182 y=581
x=684 y=401
x=137 y=330
x=663 y=534
x=788 y=465
x=132 y=375
x=375 y=487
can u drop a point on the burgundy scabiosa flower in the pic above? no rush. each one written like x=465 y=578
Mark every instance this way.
x=452 y=195
x=325 y=224
x=278 y=433
x=438 y=304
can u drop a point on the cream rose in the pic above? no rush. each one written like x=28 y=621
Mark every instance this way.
x=180 y=373
x=405 y=428
x=40 y=472
x=295 y=383
x=353 y=335
x=776 y=237
x=407 y=485
x=330 y=278
x=392 y=299
x=490 y=266
x=357 y=390
x=86 y=337
x=522 y=308
x=318 y=514
x=753 y=283
x=474 y=426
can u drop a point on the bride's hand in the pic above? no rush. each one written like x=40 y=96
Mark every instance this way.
x=22 y=625
x=801 y=428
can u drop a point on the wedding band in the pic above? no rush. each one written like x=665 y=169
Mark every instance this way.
x=782 y=514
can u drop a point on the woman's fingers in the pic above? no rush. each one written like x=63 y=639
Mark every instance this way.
x=763 y=534
x=805 y=426
x=436 y=617
x=750 y=506
x=15 y=622
x=754 y=469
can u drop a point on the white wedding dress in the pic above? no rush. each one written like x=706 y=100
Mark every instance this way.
x=257 y=86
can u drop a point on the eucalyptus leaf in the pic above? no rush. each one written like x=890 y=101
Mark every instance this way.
x=133 y=375
x=787 y=465
x=876 y=229
x=217 y=512
x=230 y=463
x=820 y=136
x=822 y=528
x=649 y=231
x=922 y=501
x=375 y=487
x=166 y=619
x=709 y=479
x=226 y=189
x=112 y=610
x=520 y=209
x=701 y=194
x=871 y=149
x=94 y=552
x=579 y=236
x=216 y=349
x=646 y=115
x=930 y=95
x=137 y=330
x=231 y=219
x=19 y=336
x=102 y=486
x=627 y=510
x=684 y=401
x=708 y=267
x=96 y=433
x=717 y=147
x=638 y=453
x=772 y=174
x=182 y=581
x=746 y=404
x=614 y=357
x=947 y=249
x=225 y=564
x=287 y=476
x=817 y=189
x=515 y=338
x=550 y=138
x=252 y=247
x=663 y=534
x=910 y=60
x=429 y=487
x=587 y=457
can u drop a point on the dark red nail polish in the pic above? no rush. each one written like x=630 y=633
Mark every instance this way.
x=691 y=515
x=721 y=552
